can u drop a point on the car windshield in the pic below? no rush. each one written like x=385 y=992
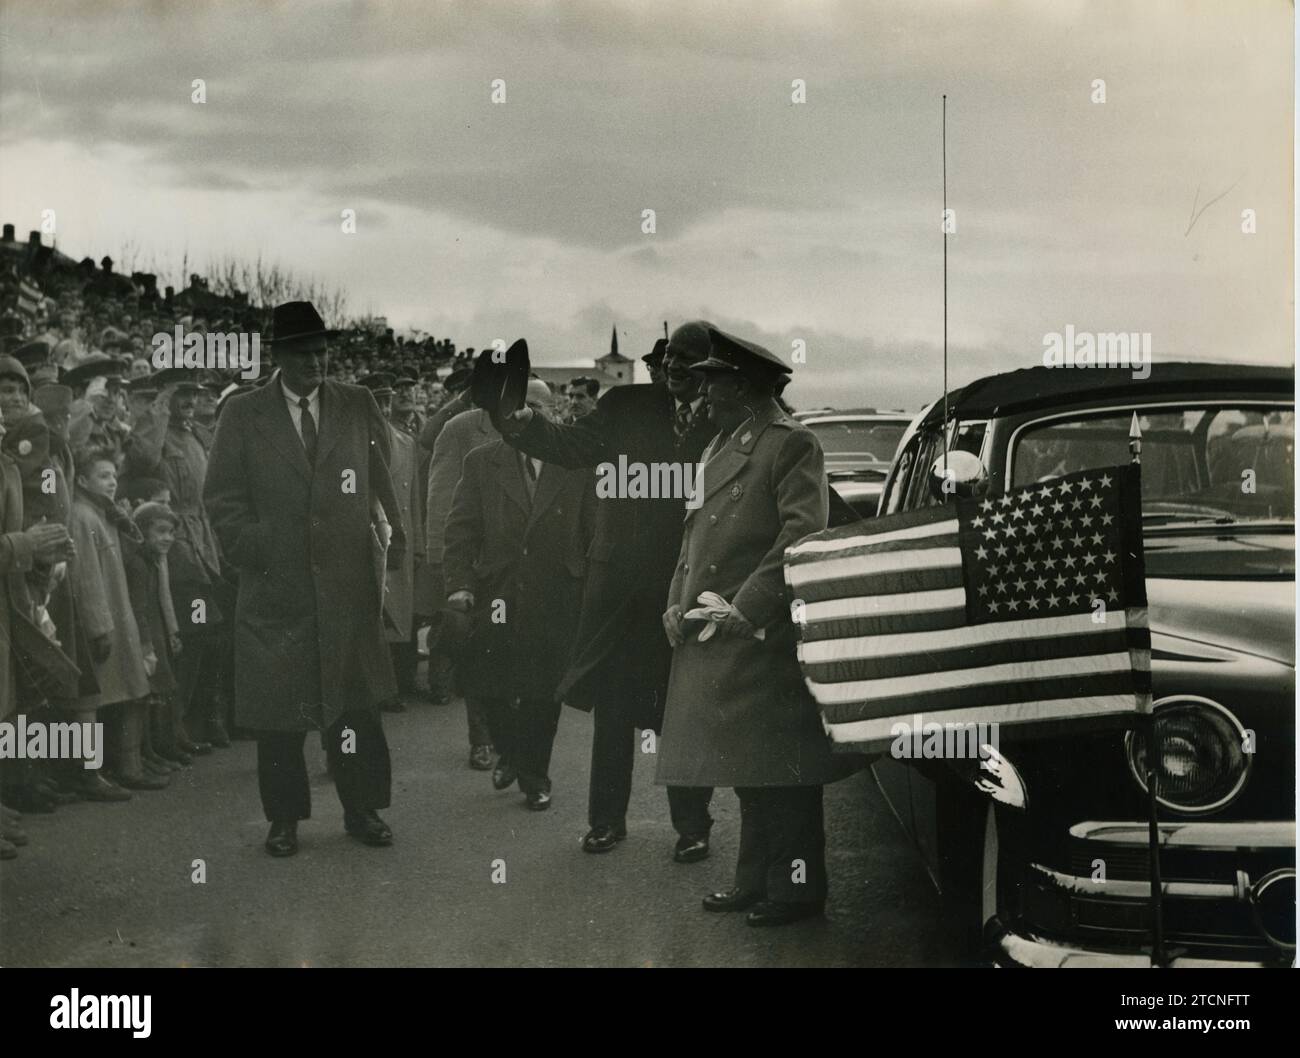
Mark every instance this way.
x=1208 y=464
x=859 y=440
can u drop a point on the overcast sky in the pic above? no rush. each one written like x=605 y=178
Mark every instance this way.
x=817 y=221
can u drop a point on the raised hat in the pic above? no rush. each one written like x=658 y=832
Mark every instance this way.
x=93 y=366
x=500 y=381
x=295 y=320
x=180 y=377
x=733 y=355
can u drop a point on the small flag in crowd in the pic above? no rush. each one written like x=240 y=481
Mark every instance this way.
x=1027 y=608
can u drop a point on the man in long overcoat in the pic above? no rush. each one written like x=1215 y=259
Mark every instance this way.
x=463 y=433
x=297 y=480
x=516 y=552
x=738 y=713
x=620 y=664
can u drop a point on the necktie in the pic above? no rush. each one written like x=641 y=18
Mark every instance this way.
x=530 y=475
x=308 y=429
x=682 y=423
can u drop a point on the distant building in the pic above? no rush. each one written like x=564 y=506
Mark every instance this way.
x=612 y=369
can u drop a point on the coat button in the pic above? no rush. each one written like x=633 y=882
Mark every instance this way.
x=713 y=568
x=713 y=518
x=686 y=568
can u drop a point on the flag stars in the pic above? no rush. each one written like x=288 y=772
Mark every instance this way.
x=1061 y=580
x=1089 y=559
x=1057 y=507
x=998 y=517
x=1073 y=598
x=1109 y=556
x=1095 y=501
x=1033 y=603
x=1002 y=550
x=1105 y=481
x=1106 y=519
x=1053 y=600
x=982 y=553
x=1036 y=510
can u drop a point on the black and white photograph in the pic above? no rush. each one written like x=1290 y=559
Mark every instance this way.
x=591 y=484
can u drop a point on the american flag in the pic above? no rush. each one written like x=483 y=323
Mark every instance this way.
x=1027 y=608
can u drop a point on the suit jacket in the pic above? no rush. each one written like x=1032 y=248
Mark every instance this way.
x=399 y=594
x=523 y=559
x=738 y=712
x=621 y=656
x=463 y=433
x=309 y=637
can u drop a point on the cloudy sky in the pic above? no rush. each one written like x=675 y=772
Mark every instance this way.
x=817 y=221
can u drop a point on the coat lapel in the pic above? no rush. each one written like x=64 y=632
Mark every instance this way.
x=549 y=484
x=734 y=454
x=510 y=476
x=272 y=419
x=331 y=420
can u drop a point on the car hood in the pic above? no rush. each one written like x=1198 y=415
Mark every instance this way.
x=1250 y=616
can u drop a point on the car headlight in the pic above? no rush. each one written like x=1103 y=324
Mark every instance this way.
x=1200 y=763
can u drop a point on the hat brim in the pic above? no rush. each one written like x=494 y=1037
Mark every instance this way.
x=502 y=388
x=713 y=366
x=305 y=336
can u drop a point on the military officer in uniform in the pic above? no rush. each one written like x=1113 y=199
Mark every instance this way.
x=738 y=713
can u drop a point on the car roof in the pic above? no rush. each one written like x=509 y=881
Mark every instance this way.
x=856 y=416
x=1037 y=387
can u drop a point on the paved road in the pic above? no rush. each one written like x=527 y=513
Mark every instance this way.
x=110 y=885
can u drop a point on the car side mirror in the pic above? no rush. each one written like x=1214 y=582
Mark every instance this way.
x=958 y=474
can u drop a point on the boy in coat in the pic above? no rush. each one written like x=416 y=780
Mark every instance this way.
x=107 y=619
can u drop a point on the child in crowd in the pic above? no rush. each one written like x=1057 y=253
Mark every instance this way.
x=107 y=619
x=148 y=582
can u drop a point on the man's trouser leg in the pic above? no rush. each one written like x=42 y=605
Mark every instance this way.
x=613 y=745
x=536 y=722
x=359 y=761
x=689 y=808
x=498 y=725
x=783 y=843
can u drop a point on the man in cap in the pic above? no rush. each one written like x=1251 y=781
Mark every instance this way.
x=620 y=664
x=163 y=445
x=738 y=713
x=98 y=413
x=654 y=360
x=516 y=545
x=405 y=416
x=300 y=495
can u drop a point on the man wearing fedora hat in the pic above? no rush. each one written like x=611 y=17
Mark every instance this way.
x=300 y=495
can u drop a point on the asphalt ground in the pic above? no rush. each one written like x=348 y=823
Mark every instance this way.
x=112 y=884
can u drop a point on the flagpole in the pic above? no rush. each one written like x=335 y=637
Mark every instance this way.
x=1153 y=806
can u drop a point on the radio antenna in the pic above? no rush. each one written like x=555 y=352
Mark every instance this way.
x=943 y=428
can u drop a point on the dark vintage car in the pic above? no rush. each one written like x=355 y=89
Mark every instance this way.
x=1056 y=871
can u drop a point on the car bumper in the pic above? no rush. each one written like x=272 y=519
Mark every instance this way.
x=1226 y=887
x=1013 y=949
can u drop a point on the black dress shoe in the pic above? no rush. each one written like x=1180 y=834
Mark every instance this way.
x=368 y=828
x=503 y=776
x=480 y=758
x=690 y=850
x=282 y=839
x=538 y=800
x=776 y=913
x=731 y=900
x=602 y=838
